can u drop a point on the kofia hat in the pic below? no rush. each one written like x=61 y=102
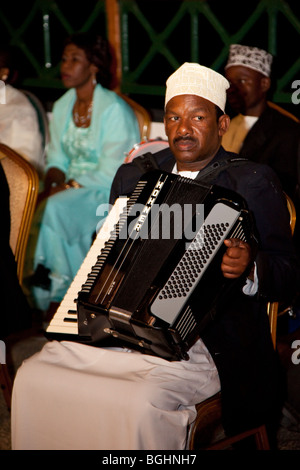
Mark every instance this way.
x=195 y=79
x=251 y=57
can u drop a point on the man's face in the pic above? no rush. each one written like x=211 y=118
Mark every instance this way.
x=247 y=89
x=193 y=131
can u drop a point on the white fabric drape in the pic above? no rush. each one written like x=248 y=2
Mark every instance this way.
x=74 y=396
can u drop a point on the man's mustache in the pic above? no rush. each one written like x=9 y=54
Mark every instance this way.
x=183 y=139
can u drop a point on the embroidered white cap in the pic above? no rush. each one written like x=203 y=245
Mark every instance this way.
x=251 y=57
x=195 y=79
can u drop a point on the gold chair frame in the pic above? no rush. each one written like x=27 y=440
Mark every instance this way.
x=23 y=182
x=283 y=111
x=23 y=185
x=42 y=119
x=142 y=115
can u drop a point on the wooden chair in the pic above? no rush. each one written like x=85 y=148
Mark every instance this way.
x=207 y=431
x=273 y=308
x=6 y=384
x=283 y=111
x=142 y=116
x=23 y=184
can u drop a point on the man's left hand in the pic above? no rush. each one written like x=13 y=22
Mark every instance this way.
x=236 y=259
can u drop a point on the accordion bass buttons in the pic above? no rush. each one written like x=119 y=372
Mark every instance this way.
x=200 y=252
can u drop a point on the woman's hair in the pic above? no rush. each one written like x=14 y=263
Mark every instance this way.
x=5 y=57
x=7 y=60
x=98 y=53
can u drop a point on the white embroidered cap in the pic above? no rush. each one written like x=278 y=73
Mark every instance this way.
x=251 y=57
x=195 y=79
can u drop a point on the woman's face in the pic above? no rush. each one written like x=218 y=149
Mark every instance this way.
x=76 y=70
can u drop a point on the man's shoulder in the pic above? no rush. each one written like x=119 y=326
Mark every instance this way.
x=244 y=171
x=279 y=119
x=248 y=167
x=253 y=175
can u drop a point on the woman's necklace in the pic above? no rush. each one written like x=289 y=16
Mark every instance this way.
x=82 y=120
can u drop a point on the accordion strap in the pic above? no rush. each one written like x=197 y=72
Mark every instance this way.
x=212 y=171
x=147 y=162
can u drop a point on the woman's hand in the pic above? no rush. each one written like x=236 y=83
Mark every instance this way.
x=54 y=183
x=54 y=178
x=57 y=188
x=63 y=186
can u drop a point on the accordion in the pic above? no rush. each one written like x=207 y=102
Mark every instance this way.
x=157 y=281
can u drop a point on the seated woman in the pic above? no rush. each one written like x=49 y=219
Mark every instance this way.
x=19 y=126
x=91 y=130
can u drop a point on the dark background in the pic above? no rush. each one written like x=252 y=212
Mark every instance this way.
x=22 y=25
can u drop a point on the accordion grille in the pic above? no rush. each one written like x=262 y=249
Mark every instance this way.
x=186 y=324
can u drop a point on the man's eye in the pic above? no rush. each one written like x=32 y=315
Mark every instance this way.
x=199 y=118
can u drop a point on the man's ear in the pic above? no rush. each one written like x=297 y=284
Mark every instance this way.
x=265 y=84
x=224 y=122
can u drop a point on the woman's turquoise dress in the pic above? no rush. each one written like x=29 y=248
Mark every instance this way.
x=67 y=221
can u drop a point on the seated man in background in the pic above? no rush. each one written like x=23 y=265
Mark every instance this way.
x=260 y=132
x=75 y=396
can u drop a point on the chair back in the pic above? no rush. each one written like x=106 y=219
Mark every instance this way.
x=23 y=182
x=283 y=111
x=42 y=119
x=273 y=307
x=151 y=146
x=142 y=115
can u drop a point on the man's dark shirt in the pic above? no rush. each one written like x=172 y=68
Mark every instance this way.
x=274 y=140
